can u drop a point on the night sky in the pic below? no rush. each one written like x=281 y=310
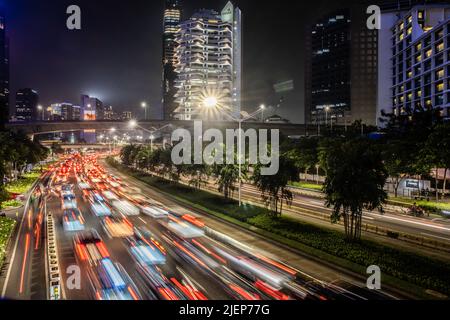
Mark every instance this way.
x=117 y=54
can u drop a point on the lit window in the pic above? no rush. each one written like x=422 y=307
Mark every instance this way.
x=440 y=87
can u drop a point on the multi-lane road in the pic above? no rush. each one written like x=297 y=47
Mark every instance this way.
x=178 y=255
x=310 y=206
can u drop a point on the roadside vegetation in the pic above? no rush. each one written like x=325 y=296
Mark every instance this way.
x=404 y=267
x=6 y=228
x=17 y=152
x=306 y=185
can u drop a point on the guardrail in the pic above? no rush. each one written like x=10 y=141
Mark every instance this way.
x=54 y=273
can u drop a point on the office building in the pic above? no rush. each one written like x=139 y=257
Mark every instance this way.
x=341 y=69
x=26 y=105
x=4 y=72
x=172 y=18
x=127 y=115
x=92 y=108
x=64 y=112
x=208 y=64
x=414 y=54
x=109 y=113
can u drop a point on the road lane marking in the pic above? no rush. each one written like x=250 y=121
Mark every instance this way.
x=418 y=223
x=142 y=220
x=11 y=261
x=431 y=235
x=25 y=257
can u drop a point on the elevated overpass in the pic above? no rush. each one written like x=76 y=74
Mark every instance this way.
x=46 y=127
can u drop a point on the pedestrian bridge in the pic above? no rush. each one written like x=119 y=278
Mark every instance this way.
x=45 y=127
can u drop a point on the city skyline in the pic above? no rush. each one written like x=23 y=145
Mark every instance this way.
x=97 y=72
x=94 y=72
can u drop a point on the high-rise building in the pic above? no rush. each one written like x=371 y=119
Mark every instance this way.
x=414 y=55
x=92 y=108
x=341 y=69
x=109 y=113
x=64 y=112
x=209 y=64
x=172 y=18
x=26 y=105
x=127 y=115
x=4 y=72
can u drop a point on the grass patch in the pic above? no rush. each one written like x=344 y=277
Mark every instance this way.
x=11 y=204
x=6 y=229
x=431 y=206
x=23 y=184
x=402 y=268
x=307 y=185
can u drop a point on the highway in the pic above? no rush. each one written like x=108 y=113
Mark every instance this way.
x=310 y=206
x=169 y=253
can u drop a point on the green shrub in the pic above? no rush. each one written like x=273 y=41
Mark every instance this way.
x=6 y=228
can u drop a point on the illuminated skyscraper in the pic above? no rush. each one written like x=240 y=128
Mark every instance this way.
x=4 y=72
x=26 y=105
x=414 y=55
x=172 y=17
x=209 y=64
x=341 y=69
x=92 y=108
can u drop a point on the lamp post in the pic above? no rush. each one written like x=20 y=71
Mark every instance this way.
x=262 y=107
x=212 y=102
x=144 y=105
x=134 y=124
x=41 y=109
x=327 y=108
x=112 y=130
x=151 y=142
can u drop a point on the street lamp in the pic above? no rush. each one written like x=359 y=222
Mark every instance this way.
x=152 y=137
x=211 y=102
x=262 y=107
x=132 y=124
x=41 y=109
x=327 y=108
x=144 y=105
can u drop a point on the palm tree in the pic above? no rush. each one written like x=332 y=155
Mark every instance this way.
x=355 y=181
x=274 y=189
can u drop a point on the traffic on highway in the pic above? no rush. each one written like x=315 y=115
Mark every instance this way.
x=125 y=245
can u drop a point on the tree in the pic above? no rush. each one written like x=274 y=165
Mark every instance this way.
x=355 y=180
x=197 y=174
x=56 y=148
x=305 y=154
x=129 y=154
x=274 y=189
x=398 y=160
x=437 y=149
x=405 y=139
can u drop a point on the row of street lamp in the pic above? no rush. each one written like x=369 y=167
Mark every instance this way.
x=210 y=103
